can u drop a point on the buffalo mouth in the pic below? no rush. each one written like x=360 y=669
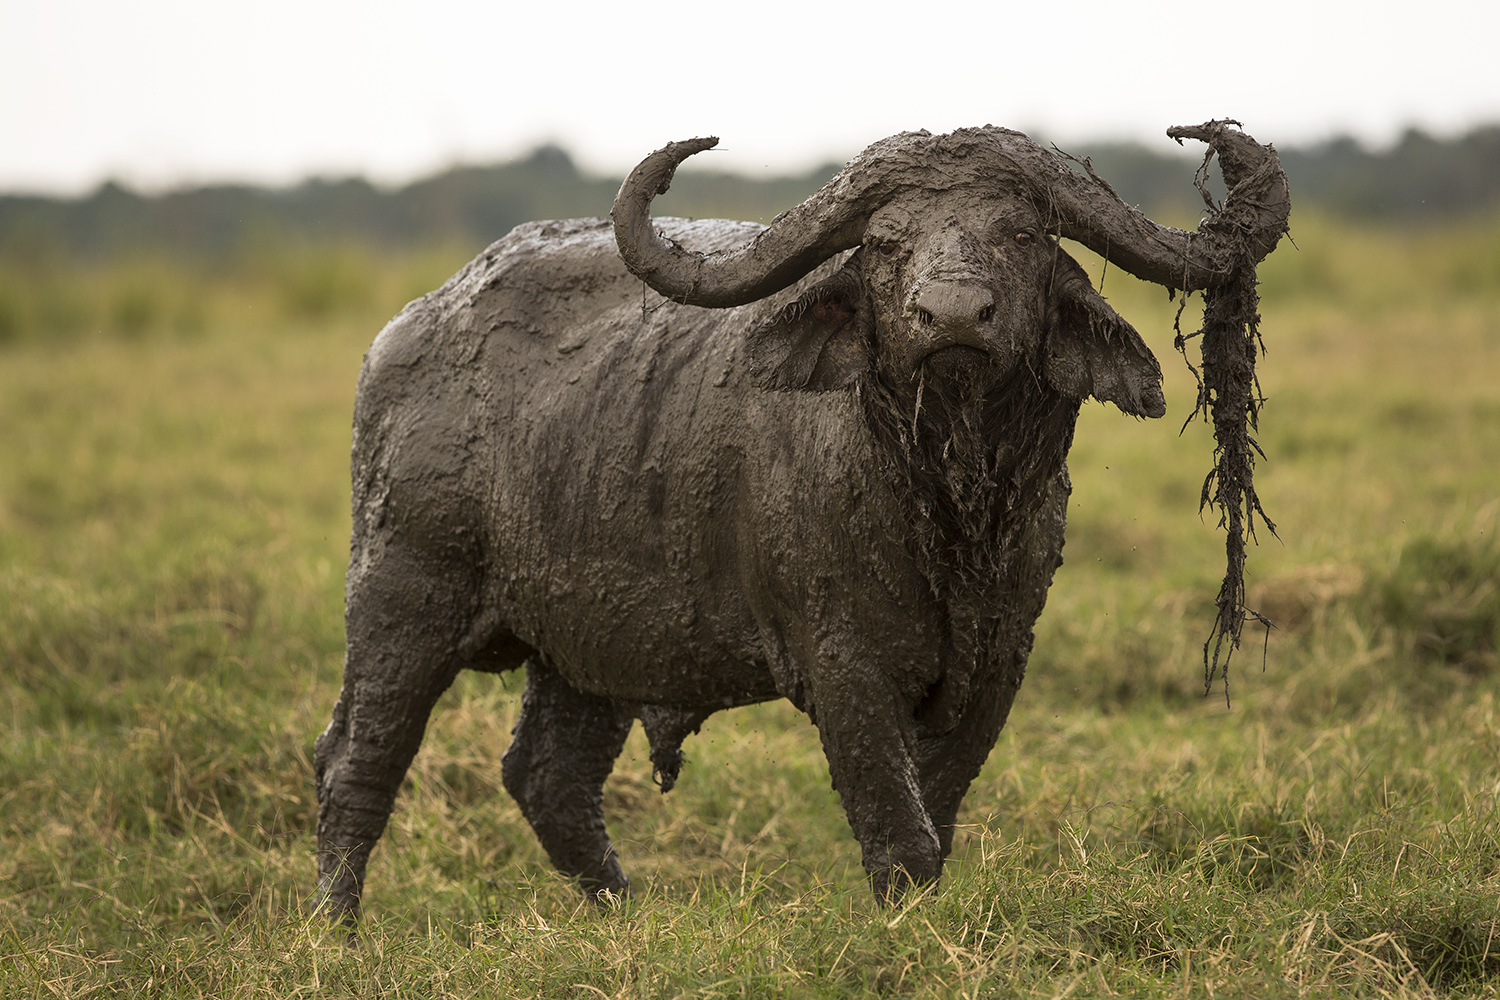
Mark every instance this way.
x=959 y=363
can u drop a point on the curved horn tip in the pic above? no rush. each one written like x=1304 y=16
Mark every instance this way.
x=672 y=154
x=655 y=172
x=1206 y=132
x=687 y=147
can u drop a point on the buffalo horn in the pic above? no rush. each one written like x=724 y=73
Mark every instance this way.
x=1079 y=206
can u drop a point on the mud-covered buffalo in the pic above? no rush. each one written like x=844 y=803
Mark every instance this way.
x=671 y=467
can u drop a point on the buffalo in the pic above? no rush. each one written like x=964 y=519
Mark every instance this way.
x=672 y=467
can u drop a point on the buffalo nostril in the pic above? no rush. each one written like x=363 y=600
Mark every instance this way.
x=958 y=307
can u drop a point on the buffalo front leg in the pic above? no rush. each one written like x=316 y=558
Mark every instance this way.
x=867 y=738
x=565 y=744
x=402 y=623
x=947 y=764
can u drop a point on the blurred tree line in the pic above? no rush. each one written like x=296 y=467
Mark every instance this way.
x=1420 y=179
x=468 y=204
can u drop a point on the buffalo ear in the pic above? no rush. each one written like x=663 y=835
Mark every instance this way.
x=1091 y=351
x=817 y=343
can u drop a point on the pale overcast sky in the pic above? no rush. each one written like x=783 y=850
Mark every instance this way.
x=165 y=92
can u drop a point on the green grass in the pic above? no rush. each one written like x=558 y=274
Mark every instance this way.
x=173 y=530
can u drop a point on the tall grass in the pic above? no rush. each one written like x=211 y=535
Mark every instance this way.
x=173 y=525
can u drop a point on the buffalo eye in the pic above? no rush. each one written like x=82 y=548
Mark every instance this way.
x=886 y=248
x=1025 y=238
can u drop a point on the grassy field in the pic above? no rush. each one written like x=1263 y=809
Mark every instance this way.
x=173 y=532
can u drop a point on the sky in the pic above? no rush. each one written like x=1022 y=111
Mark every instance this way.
x=161 y=93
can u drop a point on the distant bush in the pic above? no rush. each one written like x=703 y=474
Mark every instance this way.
x=67 y=300
x=1443 y=600
x=317 y=283
x=10 y=313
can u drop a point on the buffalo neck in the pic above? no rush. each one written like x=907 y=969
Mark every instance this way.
x=970 y=461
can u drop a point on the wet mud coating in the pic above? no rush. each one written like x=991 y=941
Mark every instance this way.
x=670 y=467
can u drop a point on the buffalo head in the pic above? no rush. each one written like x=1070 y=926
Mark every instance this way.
x=956 y=269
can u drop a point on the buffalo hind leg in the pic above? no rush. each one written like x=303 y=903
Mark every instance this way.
x=402 y=622
x=564 y=747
